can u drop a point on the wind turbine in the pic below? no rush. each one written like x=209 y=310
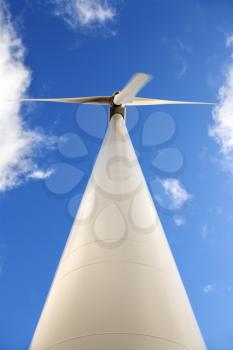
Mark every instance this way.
x=120 y=99
x=117 y=285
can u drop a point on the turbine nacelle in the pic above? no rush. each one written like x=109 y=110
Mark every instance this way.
x=116 y=108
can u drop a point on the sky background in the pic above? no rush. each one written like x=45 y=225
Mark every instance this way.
x=73 y=48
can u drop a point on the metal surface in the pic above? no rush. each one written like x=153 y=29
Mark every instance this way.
x=88 y=100
x=141 y=101
x=117 y=286
x=126 y=95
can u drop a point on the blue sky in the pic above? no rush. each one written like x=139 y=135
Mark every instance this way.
x=51 y=49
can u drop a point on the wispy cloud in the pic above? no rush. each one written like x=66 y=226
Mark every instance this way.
x=183 y=46
x=207 y=230
x=182 y=52
x=84 y=13
x=229 y=40
x=222 y=128
x=176 y=192
x=18 y=143
x=183 y=67
x=179 y=220
x=209 y=288
x=204 y=231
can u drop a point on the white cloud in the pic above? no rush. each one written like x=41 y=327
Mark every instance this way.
x=229 y=40
x=41 y=174
x=84 y=13
x=18 y=143
x=179 y=220
x=222 y=129
x=176 y=192
x=209 y=288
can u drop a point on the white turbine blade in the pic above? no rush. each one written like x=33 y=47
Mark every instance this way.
x=89 y=100
x=140 y=101
x=137 y=82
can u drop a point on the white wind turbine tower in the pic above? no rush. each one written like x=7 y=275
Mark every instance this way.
x=117 y=286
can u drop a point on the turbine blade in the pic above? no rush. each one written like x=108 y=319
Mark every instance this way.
x=136 y=83
x=89 y=100
x=140 y=101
